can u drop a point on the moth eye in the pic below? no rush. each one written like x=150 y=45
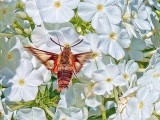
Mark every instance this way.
x=50 y=64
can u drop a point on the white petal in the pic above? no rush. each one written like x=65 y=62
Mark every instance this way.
x=35 y=78
x=114 y=14
x=39 y=36
x=70 y=3
x=131 y=67
x=13 y=93
x=86 y=11
x=70 y=35
x=24 y=69
x=119 y=80
x=99 y=75
x=38 y=114
x=29 y=93
x=93 y=101
x=64 y=14
x=116 y=51
x=124 y=39
x=112 y=70
x=143 y=25
x=99 y=88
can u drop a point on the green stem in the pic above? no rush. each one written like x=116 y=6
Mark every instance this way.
x=145 y=60
x=148 y=35
x=103 y=111
x=150 y=53
x=47 y=110
x=141 y=70
x=115 y=92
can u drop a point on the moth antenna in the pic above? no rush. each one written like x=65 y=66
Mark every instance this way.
x=77 y=43
x=59 y=43
x=56 y=42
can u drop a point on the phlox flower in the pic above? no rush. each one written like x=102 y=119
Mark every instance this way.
x=10 y=54
x=56 y=11
x=24 y=84
x=141 y=106
x=100 y=13
x=99 y=60
x=7 y=13
x=33 y=11
x=152 y=76
x=114 y=42
x=33 y=113
x=72 y=106
x=134 y=52
x=107 y=79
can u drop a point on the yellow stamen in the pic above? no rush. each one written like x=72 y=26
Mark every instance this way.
x=100 y=7
x=94 y=55
x=156 y=75
x=21 y=82
x=125 y=76
x=9 y=56
x=108 y=80
x=57 y=4
x=3 y=11
x=113 y=36
x=141 y=105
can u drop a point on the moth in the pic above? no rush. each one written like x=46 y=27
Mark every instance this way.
x=64 y=65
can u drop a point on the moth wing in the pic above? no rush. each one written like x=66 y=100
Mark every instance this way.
x=47 y=58
x=80 y=59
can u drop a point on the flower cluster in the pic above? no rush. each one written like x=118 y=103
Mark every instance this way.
x=119 y=81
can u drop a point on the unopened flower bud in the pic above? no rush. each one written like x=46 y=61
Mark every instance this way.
x=79 y=29
x=21 y=15
x=18 y=31
x=27 y=31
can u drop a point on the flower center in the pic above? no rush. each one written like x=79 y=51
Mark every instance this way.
x=94 y=55
x=108 y=80
x=9 y=56
x=3 y=11
x=21 y=82
x=125 y=76
x=57 y=4
x=100 y=7
x=113 y=36
x=126 y=17
x=141 y=105
x=156 y=75
x=134 y=14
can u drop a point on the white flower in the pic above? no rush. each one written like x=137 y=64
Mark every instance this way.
x=127 y=70
x=113 y=42
x=135 y=49
x=9 y=53
x=72 y=106
x=33 y=11
x=107 y=79
x=24 y=85
x=56 y=11
x=34 y=113
x=152 y=76
x=141 y=106
x=99 y=60
x=101 y=13
x=7 y=12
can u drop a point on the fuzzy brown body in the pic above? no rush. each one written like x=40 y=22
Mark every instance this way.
x=65 y=68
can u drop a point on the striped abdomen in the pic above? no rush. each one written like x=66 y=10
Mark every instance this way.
x=64 y=77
